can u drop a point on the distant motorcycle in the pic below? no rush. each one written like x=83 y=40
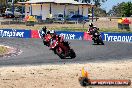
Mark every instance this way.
x=98 y=39
x=46 y=38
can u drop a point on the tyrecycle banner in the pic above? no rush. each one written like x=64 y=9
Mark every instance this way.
x=119 y=37
x=65 y=34
x=15 y=33
x=71 y=35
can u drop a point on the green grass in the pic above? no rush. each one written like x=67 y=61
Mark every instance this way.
x=115 y=30
x=85 y=29
x=3 y=50
x=70 y=29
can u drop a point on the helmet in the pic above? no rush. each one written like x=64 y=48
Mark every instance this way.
x=90 y=24
x=44 y=28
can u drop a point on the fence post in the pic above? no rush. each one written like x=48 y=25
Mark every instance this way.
x=110 y=18
x=92 y=14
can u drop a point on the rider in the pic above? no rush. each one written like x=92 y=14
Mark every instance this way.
x=53 y=38
x=48 y=37
x=92 y=30
x=43 y=31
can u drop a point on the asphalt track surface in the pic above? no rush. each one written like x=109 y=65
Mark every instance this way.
x=34 y=52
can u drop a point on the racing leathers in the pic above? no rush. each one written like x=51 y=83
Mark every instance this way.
x=94 y=32
x=43 y=32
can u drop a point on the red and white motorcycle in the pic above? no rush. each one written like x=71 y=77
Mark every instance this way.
x=63 y=49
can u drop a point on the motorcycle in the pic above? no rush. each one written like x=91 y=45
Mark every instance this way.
x=46 y=39
x=97 y=38
x=58 y=45
x=63 y=49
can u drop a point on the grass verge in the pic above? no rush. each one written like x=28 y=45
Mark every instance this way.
x=3 y=50
x=115 y=30
x=65 y=27
x=101 y=29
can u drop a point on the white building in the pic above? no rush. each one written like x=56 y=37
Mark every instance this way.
x=45 y=7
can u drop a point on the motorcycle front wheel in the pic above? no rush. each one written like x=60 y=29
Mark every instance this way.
x=101 y=41
x=72 y=53
x=60 y=52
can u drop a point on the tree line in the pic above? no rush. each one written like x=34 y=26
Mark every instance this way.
x=123 y=9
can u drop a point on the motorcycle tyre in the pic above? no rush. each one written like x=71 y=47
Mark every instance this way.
x=72 y=53
x=62 y=56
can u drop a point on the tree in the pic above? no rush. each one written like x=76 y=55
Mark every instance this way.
x=121 y=9
x=96 y=2
x=99 y=12
x=11 y=5
x=15 y=1
x=127 y=9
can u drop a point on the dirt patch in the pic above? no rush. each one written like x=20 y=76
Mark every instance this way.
x=63 y=76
